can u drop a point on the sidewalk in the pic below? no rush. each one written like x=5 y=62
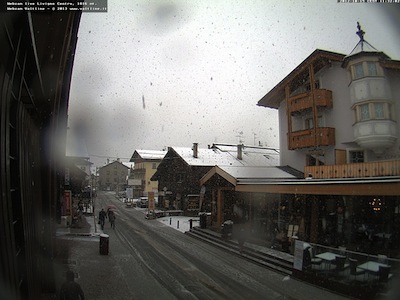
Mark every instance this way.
x=78 y=250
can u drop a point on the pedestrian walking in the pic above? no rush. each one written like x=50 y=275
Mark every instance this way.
x=102 y=218
x=112 y=218
x=241 y=238
x=70 y=290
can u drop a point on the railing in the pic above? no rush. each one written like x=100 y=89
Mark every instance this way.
x=355 y=170
x=353 y=273
x=303 y=101
x=324 y=136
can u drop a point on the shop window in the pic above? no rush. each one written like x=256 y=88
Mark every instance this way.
x=356 y=156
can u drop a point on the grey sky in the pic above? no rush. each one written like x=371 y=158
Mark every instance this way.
x=150 y=74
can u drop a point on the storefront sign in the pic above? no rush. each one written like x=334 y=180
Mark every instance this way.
x=150 y=196
x=67 y=203
x=298 y=255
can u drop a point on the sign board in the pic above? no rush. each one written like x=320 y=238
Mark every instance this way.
x=202 y=192
x=129 y=193
x=193 y=202
x=150 y=197
x=67 y=205
x=66 y=174
x=132 y=182
x=298 y=255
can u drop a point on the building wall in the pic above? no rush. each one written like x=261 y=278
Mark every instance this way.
x=341 y=117
x=113 y=176
x=33 y=126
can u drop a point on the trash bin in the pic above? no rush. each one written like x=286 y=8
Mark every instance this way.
x=104 y=238
x=203 y=221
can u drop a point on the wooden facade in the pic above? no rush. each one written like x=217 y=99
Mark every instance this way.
x=177 y=179
x=355 y=170
x=321 y=136
x=304 y=101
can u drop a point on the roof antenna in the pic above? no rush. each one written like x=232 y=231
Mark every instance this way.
x=360 y=33
x=362 y=41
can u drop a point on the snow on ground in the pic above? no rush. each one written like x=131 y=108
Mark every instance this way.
x=180 y=223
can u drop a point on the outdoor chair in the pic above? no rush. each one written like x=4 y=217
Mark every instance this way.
x=384 y=273
x=382 y=258
x=309 y=259
x=355 y=272
x=340 y=266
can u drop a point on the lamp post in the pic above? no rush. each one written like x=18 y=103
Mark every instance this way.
x=92 y=202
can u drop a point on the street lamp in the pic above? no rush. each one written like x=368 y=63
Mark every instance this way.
x=92 y=202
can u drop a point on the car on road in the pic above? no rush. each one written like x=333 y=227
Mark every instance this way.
x=129 y=202
x=143 y=202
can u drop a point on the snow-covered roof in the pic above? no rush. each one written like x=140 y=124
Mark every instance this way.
x=130 y=165
x=257 y=172
x=148 y=154
x=252 y=155
x=206 y=157
x=228 y=157
x=237 y=174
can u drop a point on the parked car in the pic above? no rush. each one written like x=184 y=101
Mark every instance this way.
x=143 y=202
x=128 y=202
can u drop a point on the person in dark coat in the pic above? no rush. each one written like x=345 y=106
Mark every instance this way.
x=71 y=290
x=111 y=217
x=102 y=218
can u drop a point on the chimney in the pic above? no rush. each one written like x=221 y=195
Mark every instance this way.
x=240 y=151
x=195 y=150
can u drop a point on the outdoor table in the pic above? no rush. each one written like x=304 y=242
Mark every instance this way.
x=329 y=257
x=372 y=266
x=383 y=235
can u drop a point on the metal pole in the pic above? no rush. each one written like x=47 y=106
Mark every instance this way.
x=91 y=199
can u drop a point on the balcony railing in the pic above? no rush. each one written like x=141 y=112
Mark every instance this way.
x=303 y=101
x=323 y=136
x=355 y=170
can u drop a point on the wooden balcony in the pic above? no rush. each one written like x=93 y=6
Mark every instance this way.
x=355 y=170
x=324 y=136
x=303 y=101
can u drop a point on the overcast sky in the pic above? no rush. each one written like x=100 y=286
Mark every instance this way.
x=151 y=74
